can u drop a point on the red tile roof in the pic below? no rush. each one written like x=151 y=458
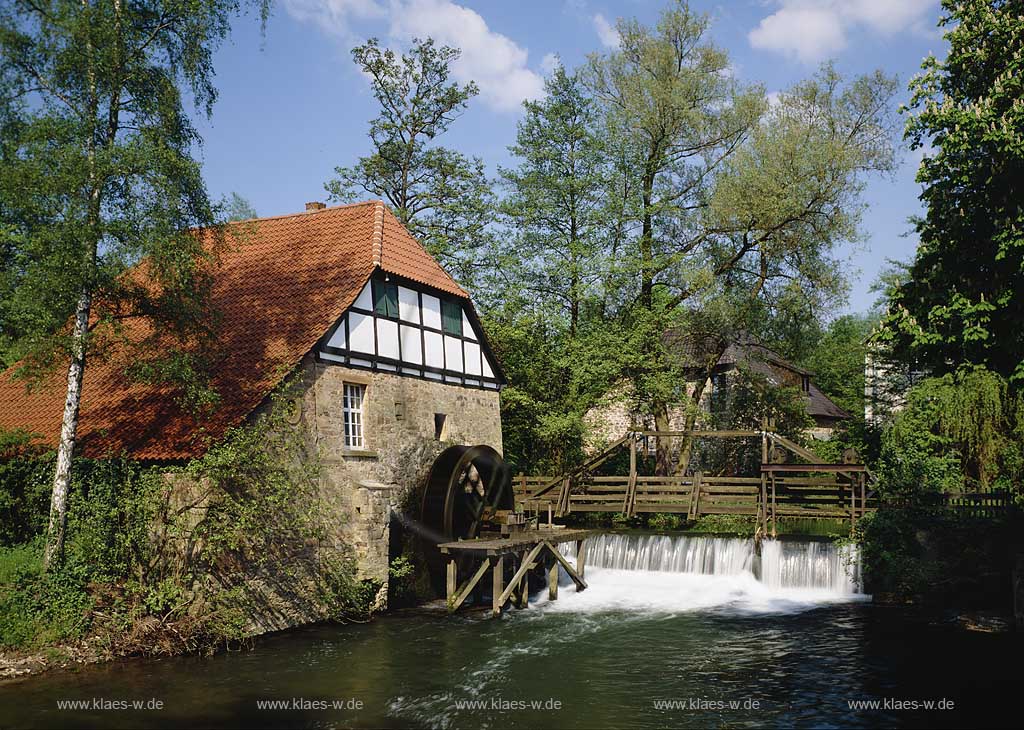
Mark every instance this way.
x=277 y=289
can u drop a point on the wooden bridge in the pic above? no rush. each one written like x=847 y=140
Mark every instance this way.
x=813 y=489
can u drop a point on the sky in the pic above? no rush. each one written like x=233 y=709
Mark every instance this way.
x=293 y=105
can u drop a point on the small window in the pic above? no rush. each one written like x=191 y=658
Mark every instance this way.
x=353 y=410
x=451 y=318
x=385 y=299
x=440 y=426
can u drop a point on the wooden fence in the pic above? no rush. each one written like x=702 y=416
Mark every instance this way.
x=814 y=489
x=788 y=491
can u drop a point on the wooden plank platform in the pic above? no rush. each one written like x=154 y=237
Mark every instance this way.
x=497 y=545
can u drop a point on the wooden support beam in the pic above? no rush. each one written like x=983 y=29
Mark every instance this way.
x=589 y=465
x=465 y=590
x=553 y=581
x=497 y=584
x=630 y=498
x=524 y=566
x=577 y=577
x=452 y=576
x=695 y=497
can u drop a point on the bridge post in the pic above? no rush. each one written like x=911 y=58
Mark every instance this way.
x=497 y=583
x=553 y=581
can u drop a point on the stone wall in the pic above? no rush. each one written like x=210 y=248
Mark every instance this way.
x=360 y=488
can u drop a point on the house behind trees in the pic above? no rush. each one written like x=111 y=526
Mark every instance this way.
x=618 y=413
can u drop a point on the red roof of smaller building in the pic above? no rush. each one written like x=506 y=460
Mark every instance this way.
x=278 y=287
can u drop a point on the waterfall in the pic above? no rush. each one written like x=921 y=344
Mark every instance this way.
x=660 y=573
x=782 y=564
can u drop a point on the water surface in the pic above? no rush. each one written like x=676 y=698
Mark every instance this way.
x=728 y=649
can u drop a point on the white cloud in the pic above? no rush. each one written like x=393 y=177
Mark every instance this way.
x=550 y=63
x=606 y=31
x=494 y=61
x=811 y=30
x=334 y=16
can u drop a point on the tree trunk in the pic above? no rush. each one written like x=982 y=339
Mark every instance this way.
x=663 y=456
x=686 y=449
x=68 y=433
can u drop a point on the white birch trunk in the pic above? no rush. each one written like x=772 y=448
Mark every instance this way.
x=68 y=434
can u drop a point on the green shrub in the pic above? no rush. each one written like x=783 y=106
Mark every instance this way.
x=726 y=524
x=26 y=472
x=37 y=607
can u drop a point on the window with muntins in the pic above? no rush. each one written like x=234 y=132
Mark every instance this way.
x=451 y=318
x=352 y=406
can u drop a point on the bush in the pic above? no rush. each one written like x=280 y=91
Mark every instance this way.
x=26 y=472
x=40 y=608
x=171 y=544
x=936 y=556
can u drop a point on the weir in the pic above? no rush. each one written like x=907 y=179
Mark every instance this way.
x=782 y=564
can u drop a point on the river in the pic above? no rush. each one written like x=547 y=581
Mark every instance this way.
x=672 y=632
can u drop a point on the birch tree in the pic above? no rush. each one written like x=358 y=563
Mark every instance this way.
x=96 y=174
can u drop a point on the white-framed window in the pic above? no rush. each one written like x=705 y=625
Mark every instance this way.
x=352 y=406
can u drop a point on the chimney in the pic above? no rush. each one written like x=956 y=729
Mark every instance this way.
x=315 y=205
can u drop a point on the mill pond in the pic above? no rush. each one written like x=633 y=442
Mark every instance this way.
x=671 y=632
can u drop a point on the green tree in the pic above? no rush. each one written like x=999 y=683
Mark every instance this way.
x=964 y=300
x=837 y=361
x=442 y=196
x=959 y=430
x=555 y=205
x=237 y=208
x=732 y=199
x=96 y=175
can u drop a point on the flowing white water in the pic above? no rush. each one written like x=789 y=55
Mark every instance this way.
x=683 y=573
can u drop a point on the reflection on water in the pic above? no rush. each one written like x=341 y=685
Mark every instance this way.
x=609 y=657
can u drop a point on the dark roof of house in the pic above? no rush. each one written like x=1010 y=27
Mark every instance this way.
x=759 y=358
x=277 y=289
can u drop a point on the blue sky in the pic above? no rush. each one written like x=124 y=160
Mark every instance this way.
x=292 y=105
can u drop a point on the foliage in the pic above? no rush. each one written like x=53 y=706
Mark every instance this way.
x=176 y=545
x=442 y=196
x=962 y=302
x=962 y=430
x=935 y=556
x=556 y=203
x=726 y=524
x=237 y=208
x=96 y=176
x=40 y=608
x=653 y=193
x=96 y=171
x=26 y=470
x=837 y=359
x=752 y=397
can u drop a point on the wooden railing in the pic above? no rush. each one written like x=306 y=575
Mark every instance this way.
x=984 y=505
x=821 y=496
x=807 y=490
